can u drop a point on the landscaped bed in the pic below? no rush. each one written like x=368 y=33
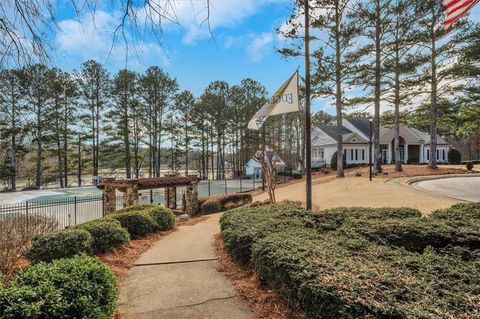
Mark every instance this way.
x=363 y=263
x=64 y=281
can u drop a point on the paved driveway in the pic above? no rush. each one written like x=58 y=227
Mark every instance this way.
x=465 y=188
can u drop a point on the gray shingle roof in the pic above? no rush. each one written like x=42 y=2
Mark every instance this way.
x=331 y=130
x=361 y=123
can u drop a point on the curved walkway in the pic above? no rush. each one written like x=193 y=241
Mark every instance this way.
x=177 y=278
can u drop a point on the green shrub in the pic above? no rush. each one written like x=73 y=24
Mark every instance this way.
x=211 y=206
x=107 y=234
x=79 y=287
x=469 y=212
x=63 y=244
x=416 y=234
x=454 y=157
x=138 y=223
x=164 y=217
x=469 y=166
x=334 y=276
x=333 y=161
x=362 y=262
x=332 y=219
x=242 y=226
x=297 y=176
x=220 y=203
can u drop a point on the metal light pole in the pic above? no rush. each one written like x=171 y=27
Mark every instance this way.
x=370 y=120
x=308 y=142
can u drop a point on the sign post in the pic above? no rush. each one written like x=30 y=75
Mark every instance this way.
x=308 y=142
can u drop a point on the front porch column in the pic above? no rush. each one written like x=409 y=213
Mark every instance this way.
x=389 y=153
x=405 y=160
x=420 y=156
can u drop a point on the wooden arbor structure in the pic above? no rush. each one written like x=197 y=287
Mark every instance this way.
x=130 y=188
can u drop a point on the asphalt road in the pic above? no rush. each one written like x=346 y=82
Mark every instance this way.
x=465 y=188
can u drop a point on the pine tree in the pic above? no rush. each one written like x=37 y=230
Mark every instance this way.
x=12 y=111
x=93 y=82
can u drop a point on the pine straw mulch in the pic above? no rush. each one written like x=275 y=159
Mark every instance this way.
x=265 y=303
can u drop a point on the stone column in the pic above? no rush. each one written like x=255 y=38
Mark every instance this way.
x=130 y=196
x=110 y=200
x=171 y=197
x=192 y=198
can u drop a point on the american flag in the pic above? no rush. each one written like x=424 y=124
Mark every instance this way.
x=456 y=9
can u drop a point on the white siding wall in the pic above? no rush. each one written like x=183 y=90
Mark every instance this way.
x=354 y=154
x=442 y=154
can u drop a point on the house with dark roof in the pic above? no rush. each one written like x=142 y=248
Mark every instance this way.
x=414 y=144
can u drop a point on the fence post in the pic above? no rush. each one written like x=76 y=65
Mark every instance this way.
x=75 y=210
x=151 y=196
x=225 y=184
x=26 y=212
x=240 y=184
x=103 y=204
x=208 y=187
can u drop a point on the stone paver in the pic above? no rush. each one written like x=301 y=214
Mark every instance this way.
x=177 y=278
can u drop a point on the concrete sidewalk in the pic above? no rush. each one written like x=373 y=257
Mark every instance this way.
x=177 y=278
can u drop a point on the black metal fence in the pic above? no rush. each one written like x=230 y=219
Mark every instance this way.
x=65 y=212
x=71 y=211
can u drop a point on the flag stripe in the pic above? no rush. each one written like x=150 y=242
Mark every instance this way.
x=455 y=9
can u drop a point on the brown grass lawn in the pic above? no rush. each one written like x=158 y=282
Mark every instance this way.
x=386 y=189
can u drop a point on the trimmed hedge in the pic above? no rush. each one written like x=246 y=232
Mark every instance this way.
x=353 y=262
x=220 y=203
x=138 y=223
x=64 y=244
x=79 y=287
x=164 y=217
x=107 y=234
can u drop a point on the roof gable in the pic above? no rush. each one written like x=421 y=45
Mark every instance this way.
x=354 y=138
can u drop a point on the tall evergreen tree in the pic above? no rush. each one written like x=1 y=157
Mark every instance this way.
x=94 y=89
x=12 y=111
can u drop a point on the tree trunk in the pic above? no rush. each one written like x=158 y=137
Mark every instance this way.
x=13 y=150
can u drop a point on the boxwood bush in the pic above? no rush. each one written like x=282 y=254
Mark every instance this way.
x=107 y=234
x=164 y=217
x=138 y=223
x=79 y=287
x=63 y=244
x=220 y=203
x=363 y=263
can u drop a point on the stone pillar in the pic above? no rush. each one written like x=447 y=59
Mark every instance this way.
x=192 y=198
x=130 y=196
x=171 y=197
x=109 y=198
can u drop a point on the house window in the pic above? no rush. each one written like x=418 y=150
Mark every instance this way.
x=438 y=155
x=321 y=154
x=351 y=154
x=356 y=155
x=363 y=155
x=443 y=155
x=428 y=155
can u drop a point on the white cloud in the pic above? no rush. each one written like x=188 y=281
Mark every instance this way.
x=257 y=48
x=199 y=20
x=92 y=37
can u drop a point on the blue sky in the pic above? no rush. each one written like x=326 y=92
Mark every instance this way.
x=245 y=43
